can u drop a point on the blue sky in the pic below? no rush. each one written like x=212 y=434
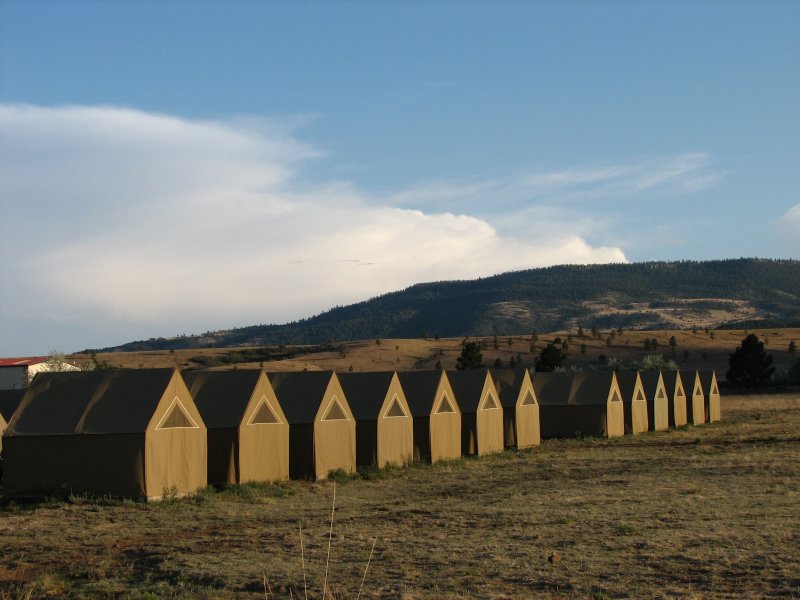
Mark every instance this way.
x=174 y=167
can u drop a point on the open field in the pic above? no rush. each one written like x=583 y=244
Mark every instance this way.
x=703 y=512
x=695 y=350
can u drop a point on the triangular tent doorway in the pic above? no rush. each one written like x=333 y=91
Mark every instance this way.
x=264 y=415
x=176 y=417
x=615 y=397
x=640 y=395
x=528 y=400
x=714 y=390
x=489 y=403
x=335 y=412
x=697 y=391
x=395 y=410
x=680 y=393
x=445 y=406
x=661 y=394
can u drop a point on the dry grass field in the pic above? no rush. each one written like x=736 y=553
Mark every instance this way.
x=696 y=350
x=700 y=512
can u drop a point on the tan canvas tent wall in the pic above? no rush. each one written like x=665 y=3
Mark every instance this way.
x=248 y=435
x=657 y=404
x=571 y=404
x=481 y=412
x=134 y=433
x=384 y=426
x=695 y=401
x=713 y=404
x=437 y=417
x=676 y=398
x=634 y=401
x=322 y=429
x=520 y=407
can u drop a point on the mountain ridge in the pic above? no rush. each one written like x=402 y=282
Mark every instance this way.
x=744 y=292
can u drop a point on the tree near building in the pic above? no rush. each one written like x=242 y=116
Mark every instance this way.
x=471 y=357
x=550 y=358
x=749 y=365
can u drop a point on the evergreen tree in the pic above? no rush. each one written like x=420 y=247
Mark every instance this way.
x=550 y=358
x=750 y=365
x=792 y=347
x=471 y=357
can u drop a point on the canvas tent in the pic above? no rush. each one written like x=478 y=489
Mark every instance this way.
x=9 y=401
x=588 y=403
x=248 y=436
x=711 y=393
x=634 y=402
x=520 y=408
x=676 y=398
x=384 y=426
x=322 y=429
x=657 y=404
x=481 y=412
x=131 y=433
x=695 y=401
x=437 y=417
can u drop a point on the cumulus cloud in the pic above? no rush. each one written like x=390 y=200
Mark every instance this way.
x=125 y=223
x=789 y=225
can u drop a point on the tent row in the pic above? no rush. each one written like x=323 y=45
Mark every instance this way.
x=611 y=404
x=155 y=432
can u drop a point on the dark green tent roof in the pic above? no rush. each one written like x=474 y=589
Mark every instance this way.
x=706 y=377
x=222 y=396
x=366 y=392
x=300 y=393
x=650 y=382
x=467 y=387
x=508 y=383
x=627 y=384
x=588 y=387
x=420 y=390
x=553 y=388
x=10 y=401
x=116 y=401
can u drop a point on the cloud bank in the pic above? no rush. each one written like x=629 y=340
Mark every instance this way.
x=120 y=224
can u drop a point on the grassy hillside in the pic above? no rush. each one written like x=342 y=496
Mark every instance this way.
x=699 y=349
x=658 y=295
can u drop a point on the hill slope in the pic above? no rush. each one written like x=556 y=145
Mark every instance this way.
x=727 y=293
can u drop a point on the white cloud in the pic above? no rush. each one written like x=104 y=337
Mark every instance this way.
x=133 y=224
x=671 y=175
x=789 y=226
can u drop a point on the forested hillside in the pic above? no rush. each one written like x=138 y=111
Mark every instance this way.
x=728 y=293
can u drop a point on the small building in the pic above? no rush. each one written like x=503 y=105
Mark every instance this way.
x=129 y=433
x=656 y=395
x=713 y=401
x=695 y=400
x=481 y=412
x=676 y=398
x=322 y=429
x=437 y=417
x=248 y=435
x=17 y=373
x=384 y=426
x=634 y=402
x=579 y=404
x=520 y=408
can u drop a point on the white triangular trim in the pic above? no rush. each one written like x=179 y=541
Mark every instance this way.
x=395 y=402
x=183 y=410
x=490 y=396
x=264 y=400
x=442 y=400
x=335 y=402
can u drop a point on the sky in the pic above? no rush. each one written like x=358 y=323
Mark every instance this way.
x=177 y=167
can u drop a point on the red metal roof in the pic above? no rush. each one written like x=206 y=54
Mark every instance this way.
x=22 y=362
